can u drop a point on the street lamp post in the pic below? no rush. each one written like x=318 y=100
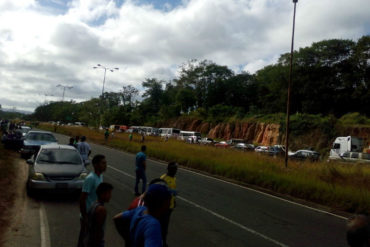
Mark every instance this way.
x=102 y=91
x=64 y=89
x=289 y=89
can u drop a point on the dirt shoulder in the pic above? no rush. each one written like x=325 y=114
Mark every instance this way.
x=13 y=177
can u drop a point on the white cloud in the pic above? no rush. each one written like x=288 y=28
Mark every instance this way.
x=41 y=49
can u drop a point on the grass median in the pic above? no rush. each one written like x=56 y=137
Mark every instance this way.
x=340 y=186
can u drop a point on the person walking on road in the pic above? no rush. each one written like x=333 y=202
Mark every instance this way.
x=140 y=170
x=88 y=194
x=97 y=215
x=144 y=226
x=84 y=148
x=170 y=180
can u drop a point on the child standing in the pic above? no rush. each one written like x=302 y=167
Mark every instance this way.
x=97 y=215
x=170 y=179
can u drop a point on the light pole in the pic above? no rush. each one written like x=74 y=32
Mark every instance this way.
x=102 y=91
x=289 y=85
x=64 y=89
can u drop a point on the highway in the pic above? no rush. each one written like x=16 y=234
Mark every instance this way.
x=209 y=212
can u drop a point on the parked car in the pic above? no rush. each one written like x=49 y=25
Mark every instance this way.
x=56 y=167
x=244 y=146
x=261 y=149
x=33 y=140
x=276 y=150
x=25 y=130
x=222 y=144
x=233 y=142
x=206 y=141
x=305 y=155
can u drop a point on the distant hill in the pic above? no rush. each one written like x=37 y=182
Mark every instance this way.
x=15 y=111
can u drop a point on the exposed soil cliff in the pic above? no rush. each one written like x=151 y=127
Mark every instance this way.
x=268 y=133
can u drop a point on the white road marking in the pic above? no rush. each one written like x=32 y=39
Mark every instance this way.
x=243 y=187
x=215 y=214
x=44 y=227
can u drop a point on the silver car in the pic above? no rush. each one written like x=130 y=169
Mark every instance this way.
x=56 y=167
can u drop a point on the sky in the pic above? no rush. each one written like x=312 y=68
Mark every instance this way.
x=44 y=43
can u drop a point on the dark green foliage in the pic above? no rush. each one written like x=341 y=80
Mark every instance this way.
x=330 y=78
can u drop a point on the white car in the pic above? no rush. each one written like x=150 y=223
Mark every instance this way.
x=261 y=149
x=206 y=141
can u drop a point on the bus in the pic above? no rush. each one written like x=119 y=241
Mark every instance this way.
x=185 y=135
x=169 y=132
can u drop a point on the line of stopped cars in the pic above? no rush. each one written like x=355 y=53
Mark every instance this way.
x=52 y=166
x=275 y=150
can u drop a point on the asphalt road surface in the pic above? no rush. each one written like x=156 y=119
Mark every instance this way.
x=209 y=212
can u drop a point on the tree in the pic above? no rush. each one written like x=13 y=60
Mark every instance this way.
x=129 y=94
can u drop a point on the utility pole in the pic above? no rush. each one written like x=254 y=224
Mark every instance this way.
x=289 y=89
x=99 y=66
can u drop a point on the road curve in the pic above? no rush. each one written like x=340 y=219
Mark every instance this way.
x=209 y=212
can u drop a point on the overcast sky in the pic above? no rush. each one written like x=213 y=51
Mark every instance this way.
x=44 y=43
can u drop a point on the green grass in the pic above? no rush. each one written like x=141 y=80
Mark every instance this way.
x=341 y=186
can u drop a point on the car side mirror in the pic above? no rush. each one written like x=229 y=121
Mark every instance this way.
x=30 y=161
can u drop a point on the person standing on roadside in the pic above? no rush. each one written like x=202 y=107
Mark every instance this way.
x=142 y=137
x=170 y=179
x=106 y=134
x=140 y=166
x=97 y=215
x=130 y=137
x=84 y=148
x=88 y=194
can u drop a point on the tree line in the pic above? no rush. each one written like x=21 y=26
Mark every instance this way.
x=330 y=77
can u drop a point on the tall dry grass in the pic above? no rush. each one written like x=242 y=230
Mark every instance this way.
x=341 y=186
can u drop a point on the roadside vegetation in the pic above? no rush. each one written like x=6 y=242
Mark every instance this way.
x=7 y=192
x=340 y=186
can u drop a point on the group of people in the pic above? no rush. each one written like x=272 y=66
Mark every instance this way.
x=146 y=221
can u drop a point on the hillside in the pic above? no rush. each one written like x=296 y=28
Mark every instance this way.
x=308 y=131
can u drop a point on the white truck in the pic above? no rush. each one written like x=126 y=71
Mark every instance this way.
x=345 y=144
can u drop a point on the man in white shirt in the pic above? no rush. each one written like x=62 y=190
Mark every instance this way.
x=84 y=149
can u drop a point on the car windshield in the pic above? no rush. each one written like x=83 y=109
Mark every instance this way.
x=41 y=137
x=59 y=156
